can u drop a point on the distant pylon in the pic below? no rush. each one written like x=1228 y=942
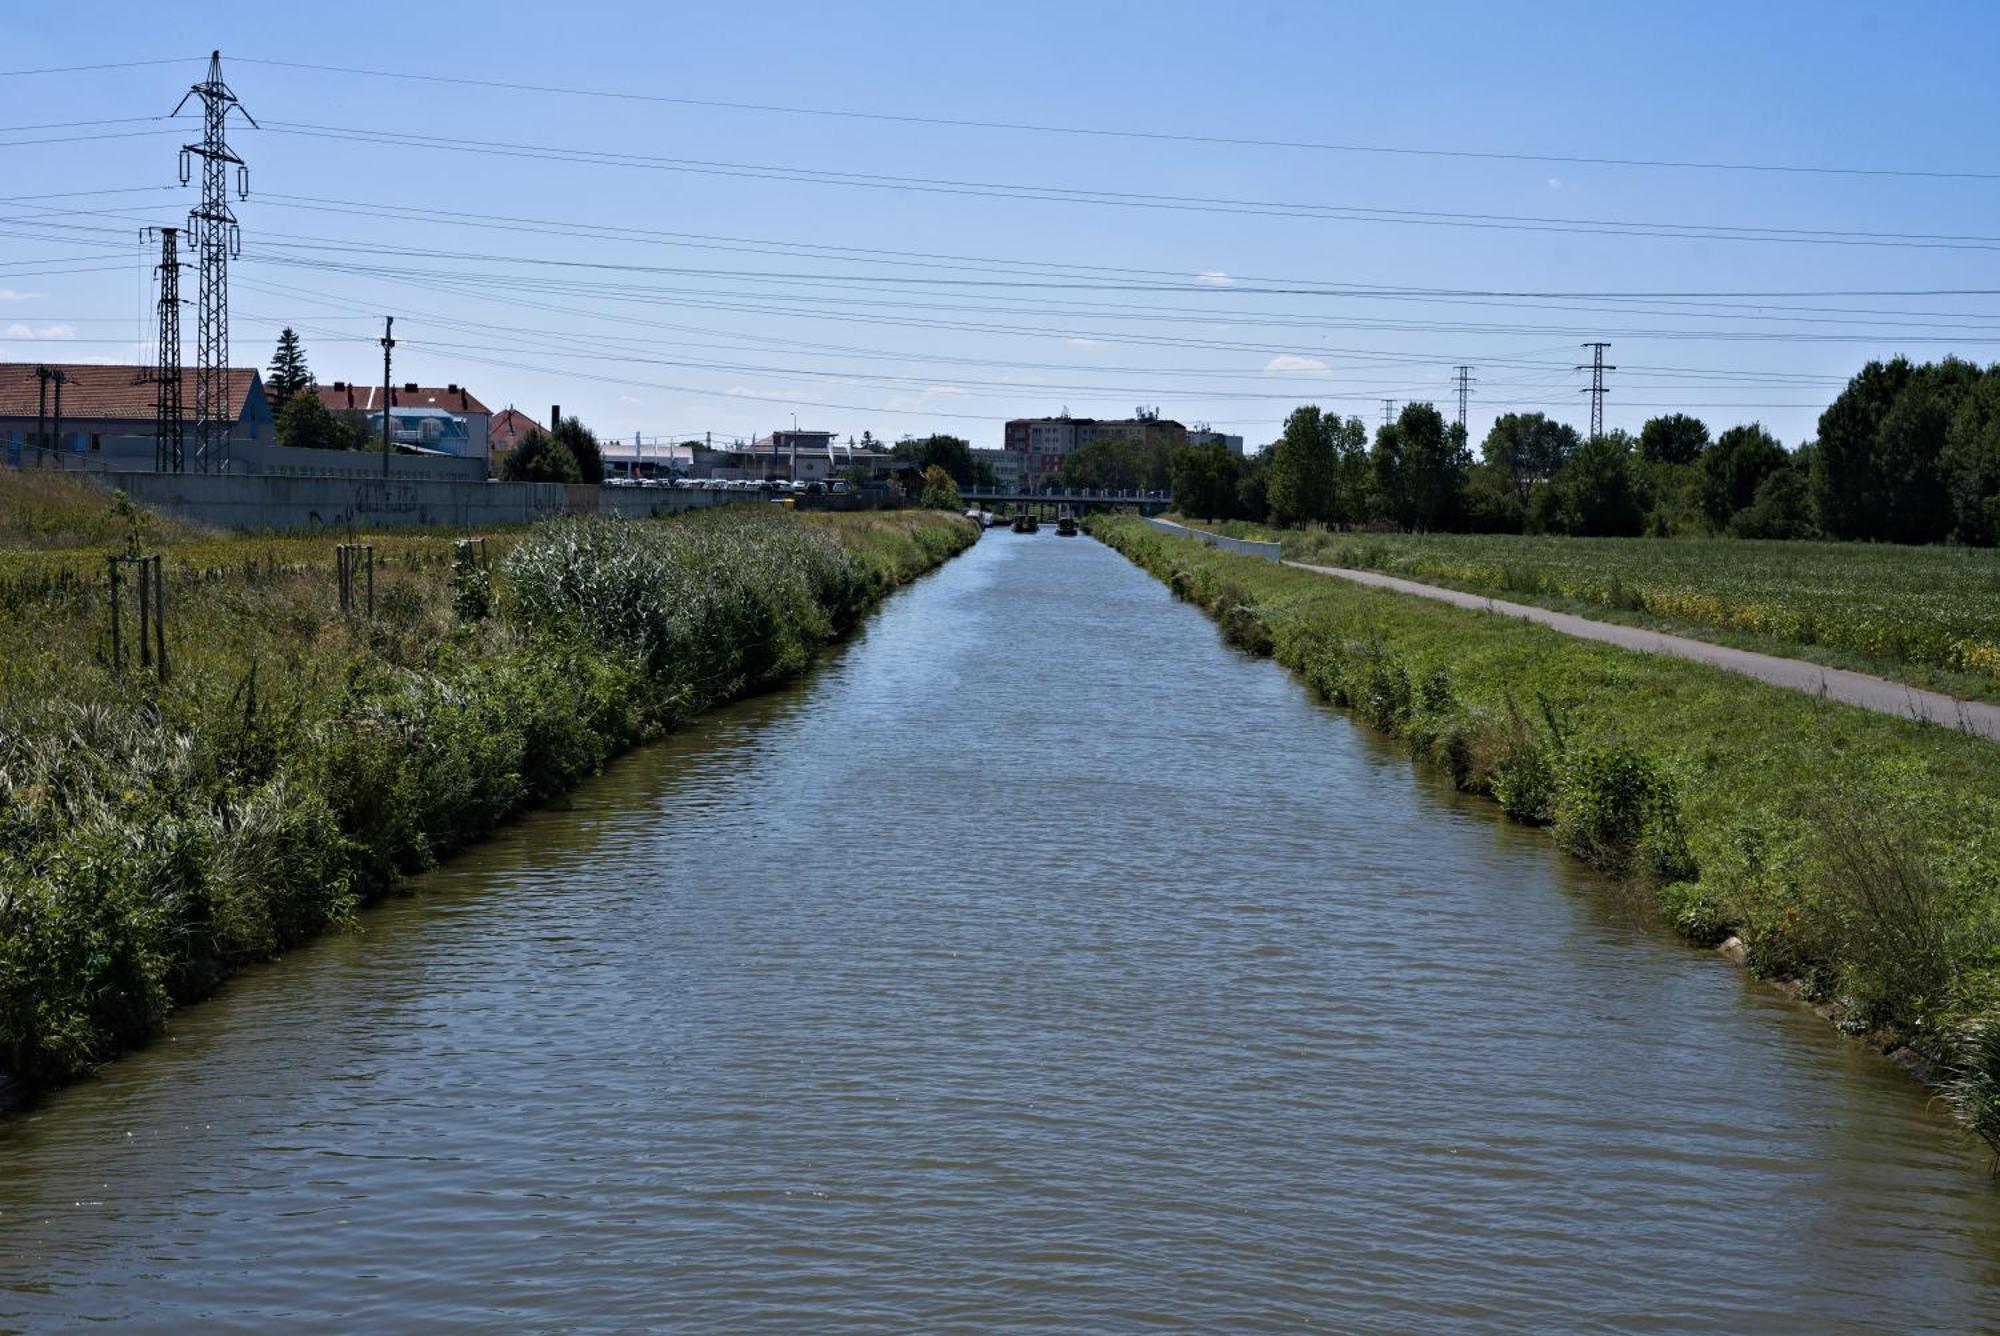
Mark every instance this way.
x=1464 y=392
x=168 y=454
x=1388 y=411
x=1596 y=389
x=217 y=240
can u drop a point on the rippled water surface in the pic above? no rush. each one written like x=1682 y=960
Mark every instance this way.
x=1039 y=962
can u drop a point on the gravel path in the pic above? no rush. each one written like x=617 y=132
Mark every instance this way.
x=1870 y=693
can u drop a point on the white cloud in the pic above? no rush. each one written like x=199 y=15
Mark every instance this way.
x=629 y=399
x=1215 y=278
x=1081 y=343
x=1555 y=183
x=10 y=295
x=17 y=330
x=944 y=389
x=1291 y=364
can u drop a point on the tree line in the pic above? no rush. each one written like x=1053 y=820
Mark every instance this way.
x=1906 y=453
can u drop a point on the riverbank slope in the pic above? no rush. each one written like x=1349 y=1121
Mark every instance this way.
x=1854 y=855
x=158 y=831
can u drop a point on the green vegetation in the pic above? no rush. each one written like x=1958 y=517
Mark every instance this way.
x=306 y=423
x=1928 y=615
x=940 y=492
x=540 y=458
x=289 y=375
x=156 y=835
x=1905 y=454
x=1855 y=855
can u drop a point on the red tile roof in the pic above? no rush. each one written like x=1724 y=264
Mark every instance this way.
x=367 y=398
x=96 y=391
x=509 y=425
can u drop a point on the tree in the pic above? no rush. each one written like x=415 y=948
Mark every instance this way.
x=1971 y=463
x=1388 y=483
x=1734 y=468
x=1251 y=503
x=1529 y=448
x=940 y=492
x=1204 y=481
x=1910 y=451
x=950 y=453
x=1848 y=489
x=581 y=444
x=1594 y=496
x=1350 y=470
x=1673 y=439
x=1491 y=503
x=1107 y=462
x=306 y=423
x=1434 y=462
x=1302 y=481
x=540 y=458
x=1782 y=508
x=289 y=373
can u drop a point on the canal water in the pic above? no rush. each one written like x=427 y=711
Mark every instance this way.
x=1039 y=962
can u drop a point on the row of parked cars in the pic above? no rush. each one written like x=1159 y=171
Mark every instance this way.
x=768 y=486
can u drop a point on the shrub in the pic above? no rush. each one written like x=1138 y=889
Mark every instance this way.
x=1972 y=1088
x=1607 y=798
x=1694 y=912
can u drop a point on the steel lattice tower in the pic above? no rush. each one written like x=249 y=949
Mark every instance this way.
x=216 y=240
x=167 y=429
x=1464 y=392
x=1596 y=388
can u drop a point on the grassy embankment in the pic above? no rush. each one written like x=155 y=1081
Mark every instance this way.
x=154 y=837
x=1855 y=856
x=1929 y=616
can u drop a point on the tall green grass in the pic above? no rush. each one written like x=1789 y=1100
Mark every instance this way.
x=156 y=836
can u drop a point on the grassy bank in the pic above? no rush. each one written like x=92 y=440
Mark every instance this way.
x=298 y=759
x=1853 y=855
x=1925 y=615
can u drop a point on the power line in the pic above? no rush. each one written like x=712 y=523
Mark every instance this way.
x=1143 y=200
x=1156 y=135
x=113 y=65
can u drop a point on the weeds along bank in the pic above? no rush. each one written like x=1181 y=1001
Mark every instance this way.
x=1928 y=615
x=1855 y=854
x=154 y=836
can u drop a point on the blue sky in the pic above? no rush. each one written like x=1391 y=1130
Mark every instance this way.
x=703 y=294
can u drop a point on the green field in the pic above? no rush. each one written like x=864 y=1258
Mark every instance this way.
x=1854 y=854
x=297 y=758
x=1926 y=615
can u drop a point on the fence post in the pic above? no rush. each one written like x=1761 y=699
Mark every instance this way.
x=117 y=648
x=159 y=618
x=144 y=572
x=371 y=581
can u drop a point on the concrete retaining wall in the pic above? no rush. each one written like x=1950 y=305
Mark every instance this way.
x=1268 y=551
x=288 y=504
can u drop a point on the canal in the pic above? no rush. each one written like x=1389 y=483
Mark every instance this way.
x=1039 y=961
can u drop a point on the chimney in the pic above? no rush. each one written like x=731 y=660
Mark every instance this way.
x=410 y=387
x=451 y=389
x=555 y=416
x=339 y=385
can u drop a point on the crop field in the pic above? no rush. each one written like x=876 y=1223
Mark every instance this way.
x=1924 y=614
